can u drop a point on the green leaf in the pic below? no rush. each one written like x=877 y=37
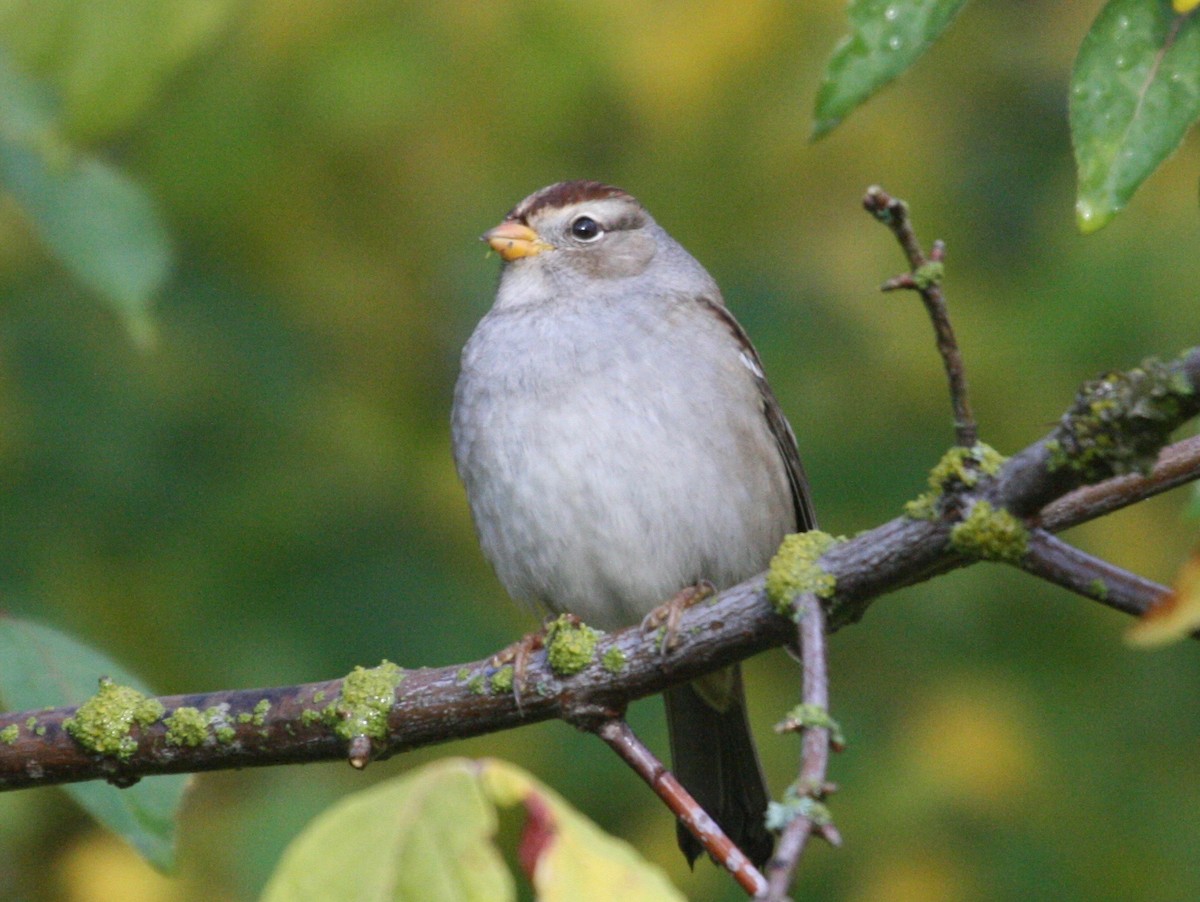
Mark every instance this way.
x=429 y=836
x=1135 y=91
x=41 y=667
x=886 y=37
x=97 y=221
x=109 y=60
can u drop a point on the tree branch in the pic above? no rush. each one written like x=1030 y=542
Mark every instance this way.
x=1057 y=562
x=443 y=704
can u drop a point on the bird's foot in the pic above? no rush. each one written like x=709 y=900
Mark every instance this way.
x=666 y=616
x=519 y=653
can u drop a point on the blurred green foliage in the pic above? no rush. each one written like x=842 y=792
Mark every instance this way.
x=266 y=495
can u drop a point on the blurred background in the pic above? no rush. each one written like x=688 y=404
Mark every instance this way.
x=266 y=495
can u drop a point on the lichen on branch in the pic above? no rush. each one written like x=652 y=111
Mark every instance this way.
x=1120 y=422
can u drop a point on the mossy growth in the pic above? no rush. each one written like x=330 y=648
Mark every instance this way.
x=929 y=274
x=990 y=534
x=502 y=680
x=613 y=660
x=1120 y=422
x=367 y=697
x=959 y=468
x=187 y=726
x=794 y=805
x=570 y=645
x=1098 y=589
x=258 y=716
x=10 y=734
x=805 y=716
x=104 y=724
x=796 y=568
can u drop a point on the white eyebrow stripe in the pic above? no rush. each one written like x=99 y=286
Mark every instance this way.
x=748 y=362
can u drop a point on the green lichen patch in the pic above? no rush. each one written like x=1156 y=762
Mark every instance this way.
x=1098 y=589
x=477 y=685
x=187 y=727
x=613 y=660
x=104 y=724
x=367 y=696
x=225 y=734
x=318 y=696
x=805 y=716
x=502 y=680
x=959 y=468
x=929 y=274
x=570 y=645
x=10 y=734
x=190 y=727
x=258 y=716
x=990 y=534
x=30 y=722
x=261 y=710
x=1120 y=421
x=796 y=568
x=794 y=805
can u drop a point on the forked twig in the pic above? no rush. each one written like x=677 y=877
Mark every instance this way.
x=925 y=278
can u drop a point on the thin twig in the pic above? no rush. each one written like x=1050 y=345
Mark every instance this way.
x=925 y=279
x=621 y=739
x=1056 y=561
x=814 y=755
x=1177 y=465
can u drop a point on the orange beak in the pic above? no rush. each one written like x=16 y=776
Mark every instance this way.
x=512 y=241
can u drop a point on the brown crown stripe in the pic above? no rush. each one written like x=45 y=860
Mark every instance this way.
x=563 y=194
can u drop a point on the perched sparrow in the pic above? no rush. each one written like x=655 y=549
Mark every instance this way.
x=618 y=443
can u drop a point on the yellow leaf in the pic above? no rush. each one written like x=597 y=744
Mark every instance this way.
x=423 y=837
x=1177 y=614
x=1184 y=6
x=429 y=836
x=574 y=860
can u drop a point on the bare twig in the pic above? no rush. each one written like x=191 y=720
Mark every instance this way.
x=1056 y=561
x=621 y=739
x=925 y=278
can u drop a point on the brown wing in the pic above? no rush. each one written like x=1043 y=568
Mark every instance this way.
x=785 y=439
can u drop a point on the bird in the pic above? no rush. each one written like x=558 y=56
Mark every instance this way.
x=618 y=443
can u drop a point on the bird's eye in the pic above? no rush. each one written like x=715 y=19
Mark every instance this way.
x=586 y=229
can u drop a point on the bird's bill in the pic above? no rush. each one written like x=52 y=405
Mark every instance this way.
x=512 y=241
